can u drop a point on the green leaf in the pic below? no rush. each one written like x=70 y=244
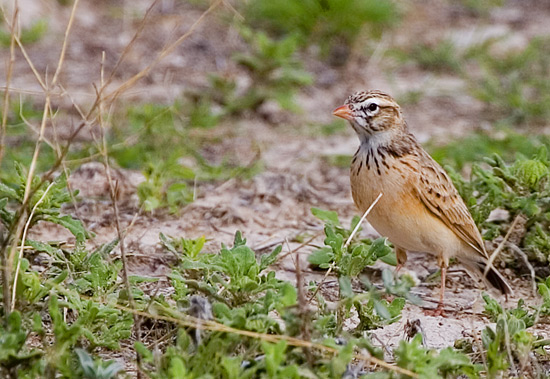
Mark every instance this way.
x=346 y=290
x=274 y=356
x=330 y=217
x=267 y=260
x=74 y=226
x=321 y=257
x=177 y=368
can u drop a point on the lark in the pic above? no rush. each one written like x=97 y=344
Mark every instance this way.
x=420 y=209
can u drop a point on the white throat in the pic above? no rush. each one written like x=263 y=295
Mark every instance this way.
x=373 y=141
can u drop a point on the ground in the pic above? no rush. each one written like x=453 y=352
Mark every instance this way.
x=273 y=207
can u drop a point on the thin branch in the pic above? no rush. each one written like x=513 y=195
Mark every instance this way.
x=113 y=190
x=347 y=243
x=185 y=320
x=65 y=42
x=356 y=229
x=23 y=239
x=525 y=259
x=6 y=106
x=12 y=27
x=501 y=245
x=6 y=274
x=165 y=51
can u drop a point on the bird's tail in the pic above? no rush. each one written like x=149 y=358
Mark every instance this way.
x=495 y=278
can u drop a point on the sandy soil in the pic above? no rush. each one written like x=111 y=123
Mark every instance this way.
x=273 y=207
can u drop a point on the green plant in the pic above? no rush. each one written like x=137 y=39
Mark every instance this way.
x=244 y=294
x=165 y=185
x=442 y=57
x=331 y=23
x=28 y=35
x=515 y=86
x=521 y=188
x=14 y=351
x=274 y=68
x=473 y=148
x=510 y=338
x=348 y=260
x=275 y=72
x=97 y=369
x=158 y=141
x=429 y=363
x=44 y=205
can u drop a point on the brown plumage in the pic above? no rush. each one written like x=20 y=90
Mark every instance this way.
x=420 y=209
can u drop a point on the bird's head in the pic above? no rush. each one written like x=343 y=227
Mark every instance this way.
x=372 y=113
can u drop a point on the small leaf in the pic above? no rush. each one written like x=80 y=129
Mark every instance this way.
x=346 y=290
x=330 y=217
x=267 y=260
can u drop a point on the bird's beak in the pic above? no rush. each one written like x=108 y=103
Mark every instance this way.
x=343 y=112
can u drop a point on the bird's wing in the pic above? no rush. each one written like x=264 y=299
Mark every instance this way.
x=439 y=195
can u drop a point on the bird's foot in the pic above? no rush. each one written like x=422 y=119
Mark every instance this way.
x=437 y=312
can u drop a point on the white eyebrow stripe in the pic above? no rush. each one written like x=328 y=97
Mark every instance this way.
x=378 y=101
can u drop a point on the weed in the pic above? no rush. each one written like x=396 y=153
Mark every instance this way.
x=432 y=364
x=28 y=35
x=275 y=74
x=521 y=188
x=348 y=261
x=158 y=140
x=477 y=146
x=97 y=369
x=45 y=204
x=442 y=57
x=516 y=86
x=330 y=23
x=59 y=287
x=510 y=335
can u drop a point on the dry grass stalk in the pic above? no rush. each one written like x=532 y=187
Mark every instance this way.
x=187 y=321
x=501 y=245
x=10 y=243
x=22 y=246
x=347 y=243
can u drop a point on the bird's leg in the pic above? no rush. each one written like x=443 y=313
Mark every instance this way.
x=439 y=310
x=401 y=257
x=442 y=290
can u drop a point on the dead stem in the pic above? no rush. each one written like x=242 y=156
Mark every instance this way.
x=185 y=320
x=22 y=246
x=303 y=313
x=501 y=245
x=164 y=52
x=347 y=243
x=6 y=273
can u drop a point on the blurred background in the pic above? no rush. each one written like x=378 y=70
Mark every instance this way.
x=218 y=114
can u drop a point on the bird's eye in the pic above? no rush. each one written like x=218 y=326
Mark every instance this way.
x=372 y=107
x=350 y=107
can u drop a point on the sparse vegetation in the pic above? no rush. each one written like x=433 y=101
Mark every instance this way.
x=515 y=84
x=28 y=35
x=275 y=74
x=522 y=190
x=82 y=297
x=334 y=24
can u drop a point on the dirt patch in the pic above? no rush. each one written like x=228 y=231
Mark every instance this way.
x=273 y=207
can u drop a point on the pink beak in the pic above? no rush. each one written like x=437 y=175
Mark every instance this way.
x=343 y=112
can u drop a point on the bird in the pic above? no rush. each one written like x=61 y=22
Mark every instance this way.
x=420 y=209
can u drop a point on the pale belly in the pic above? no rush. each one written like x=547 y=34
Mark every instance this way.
x=400 y=215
